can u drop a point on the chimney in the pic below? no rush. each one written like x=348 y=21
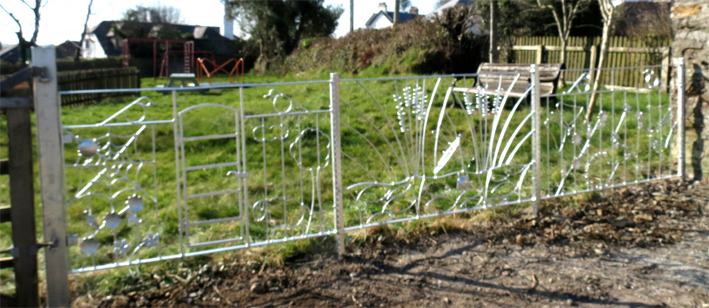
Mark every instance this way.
x=414 y=11
x=383 y=6
x=228 y=29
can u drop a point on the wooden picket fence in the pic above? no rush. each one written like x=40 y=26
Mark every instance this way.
x=109 y=78
x=583 y=52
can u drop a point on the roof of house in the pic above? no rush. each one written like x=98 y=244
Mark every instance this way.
x=403 y=17
x=67 y=50
x=10 y=53
x=104 y=33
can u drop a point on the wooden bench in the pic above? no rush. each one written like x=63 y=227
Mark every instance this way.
x=490 y=79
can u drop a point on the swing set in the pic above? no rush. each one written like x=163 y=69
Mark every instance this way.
x=189 y=62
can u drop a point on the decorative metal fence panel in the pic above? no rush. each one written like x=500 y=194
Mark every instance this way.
x=420 y=149
x=177 y=175
x=627 y=139
x=253 y=172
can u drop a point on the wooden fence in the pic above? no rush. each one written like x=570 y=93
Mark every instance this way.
x=583 y=52
x=111 y=78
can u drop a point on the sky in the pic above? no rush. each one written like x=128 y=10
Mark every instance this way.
x=62 y=20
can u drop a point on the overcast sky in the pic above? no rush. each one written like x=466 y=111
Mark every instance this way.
x=62 y=20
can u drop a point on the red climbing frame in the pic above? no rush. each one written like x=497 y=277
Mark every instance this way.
x=202 y=69
x=189 y=59
x=188 y=47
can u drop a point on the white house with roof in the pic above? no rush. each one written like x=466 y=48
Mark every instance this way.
x=384 y=18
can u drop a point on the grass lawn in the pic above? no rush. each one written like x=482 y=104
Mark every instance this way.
x=395 y=152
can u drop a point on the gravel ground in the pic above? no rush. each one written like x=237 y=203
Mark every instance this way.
x=644 y=246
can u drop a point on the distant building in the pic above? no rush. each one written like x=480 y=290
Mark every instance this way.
x=103 y=40
x=11 y=53
x=384 y=18
x=67 y=50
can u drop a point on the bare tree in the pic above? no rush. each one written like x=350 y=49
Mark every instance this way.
x=77 y=55
x=154 y=14
x=564 y=12
x=607 y=11
x=23 y=43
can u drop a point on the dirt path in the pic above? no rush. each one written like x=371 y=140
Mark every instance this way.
x=638 y=247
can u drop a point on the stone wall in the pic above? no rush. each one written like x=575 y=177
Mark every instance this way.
x=690 y=25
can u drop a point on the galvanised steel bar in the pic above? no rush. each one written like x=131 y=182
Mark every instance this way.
x=244 y=182
x=51 y=165
x=199 y=252
x=681 y=137
x=178 y=158
x=336 y=147
x=536 y=141
x=190 y=89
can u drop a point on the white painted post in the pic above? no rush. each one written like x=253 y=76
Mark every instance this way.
x=536 y=141
x=51 y=167
x=336 y=148
x=681 y=137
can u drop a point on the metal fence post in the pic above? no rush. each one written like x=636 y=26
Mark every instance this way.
x=51 y=165
x=536 y=140
x=336 y=146
x=681 y=137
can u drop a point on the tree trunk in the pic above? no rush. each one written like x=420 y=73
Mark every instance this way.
x=23 y=47
x=77 y=55
x=604 y=53
x=494 y=53
x=562 y=59
x=351 y=15
x=396 y=12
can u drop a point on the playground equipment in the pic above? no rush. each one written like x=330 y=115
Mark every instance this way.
x=202 y=69
x=189 y=60
x=187 y=50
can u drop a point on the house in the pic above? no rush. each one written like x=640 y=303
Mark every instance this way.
x=11 y=53
x=384 y=18
x=66 y=50
x=104 y=40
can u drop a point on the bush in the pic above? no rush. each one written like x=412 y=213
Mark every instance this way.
x=419 y=46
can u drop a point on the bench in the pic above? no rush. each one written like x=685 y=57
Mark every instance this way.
x=490 y=79
x=183 y=80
